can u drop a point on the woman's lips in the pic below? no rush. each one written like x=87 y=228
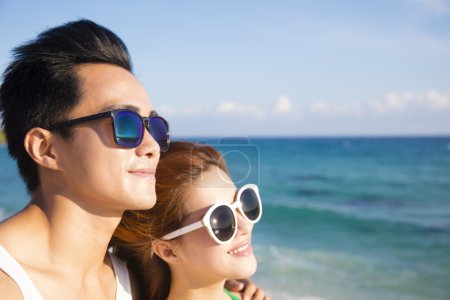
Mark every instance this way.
x=243 y=249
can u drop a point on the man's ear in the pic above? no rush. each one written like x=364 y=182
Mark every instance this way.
x=167 y=251
x=38 y=143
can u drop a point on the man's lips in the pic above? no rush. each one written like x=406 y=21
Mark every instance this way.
x=145 y=172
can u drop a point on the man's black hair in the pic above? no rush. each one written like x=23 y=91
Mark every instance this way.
x=40 y=86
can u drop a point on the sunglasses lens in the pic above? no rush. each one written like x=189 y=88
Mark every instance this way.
x=223 y=224
x=250 y=204
x=159 y=131
x=128 y=128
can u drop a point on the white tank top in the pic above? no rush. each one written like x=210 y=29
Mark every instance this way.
x=29 y=291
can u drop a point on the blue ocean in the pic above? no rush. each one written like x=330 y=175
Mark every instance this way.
x=343 y=218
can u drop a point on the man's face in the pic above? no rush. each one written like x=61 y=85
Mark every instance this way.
x=101 y=176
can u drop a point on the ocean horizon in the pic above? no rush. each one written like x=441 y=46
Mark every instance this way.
x=349 y=217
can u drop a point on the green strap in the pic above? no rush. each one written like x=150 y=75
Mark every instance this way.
x=232 y=296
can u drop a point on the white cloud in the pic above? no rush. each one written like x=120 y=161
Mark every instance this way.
x=226 y=107
x=388 y=109
x=435 y=100
x=283 y=105
x=229 y=107
x=397 y=102
x=394 y=102
x=391 y=103
x=320 y=107
x=346 y=109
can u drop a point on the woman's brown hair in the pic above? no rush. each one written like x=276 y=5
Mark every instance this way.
x=132 y=240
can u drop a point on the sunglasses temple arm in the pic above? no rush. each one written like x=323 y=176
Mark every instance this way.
x=183 y=230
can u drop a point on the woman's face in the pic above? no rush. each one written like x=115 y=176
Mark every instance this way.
x=199 y=252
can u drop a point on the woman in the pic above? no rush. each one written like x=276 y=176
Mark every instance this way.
x=199 y=232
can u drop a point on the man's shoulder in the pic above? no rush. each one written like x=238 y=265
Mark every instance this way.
x=19 y=222
x=9 y=288
x=8 y=231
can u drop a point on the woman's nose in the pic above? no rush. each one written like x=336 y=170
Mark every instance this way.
x=244 y=226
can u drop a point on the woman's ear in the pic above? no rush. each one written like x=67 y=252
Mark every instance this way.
x=38 y=143
x=167 y=251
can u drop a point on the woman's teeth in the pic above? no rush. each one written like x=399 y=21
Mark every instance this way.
x=239 y=250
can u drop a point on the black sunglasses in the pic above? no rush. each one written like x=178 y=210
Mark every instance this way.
x=128 y=127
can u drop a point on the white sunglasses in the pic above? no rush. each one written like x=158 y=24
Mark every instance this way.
x=221 y=218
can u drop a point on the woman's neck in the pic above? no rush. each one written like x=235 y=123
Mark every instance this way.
x=185 y=289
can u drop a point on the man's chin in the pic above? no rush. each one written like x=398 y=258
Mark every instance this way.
x=147 y=203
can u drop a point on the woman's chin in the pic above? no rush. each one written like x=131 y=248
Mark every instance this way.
x=247 y=268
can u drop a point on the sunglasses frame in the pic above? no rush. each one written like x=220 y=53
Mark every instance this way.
x=112 y=114
x=204 y=222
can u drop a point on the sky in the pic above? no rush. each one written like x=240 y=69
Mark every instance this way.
x=273 y=68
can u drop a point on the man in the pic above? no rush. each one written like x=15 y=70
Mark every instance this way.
x=72 y=114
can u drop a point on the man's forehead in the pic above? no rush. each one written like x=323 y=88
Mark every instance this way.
x=107 y=87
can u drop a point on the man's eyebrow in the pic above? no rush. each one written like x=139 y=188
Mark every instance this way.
x=136 y=109
x=122 y=106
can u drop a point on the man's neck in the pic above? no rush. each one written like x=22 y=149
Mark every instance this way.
x=54 y=231
x=62 y=247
